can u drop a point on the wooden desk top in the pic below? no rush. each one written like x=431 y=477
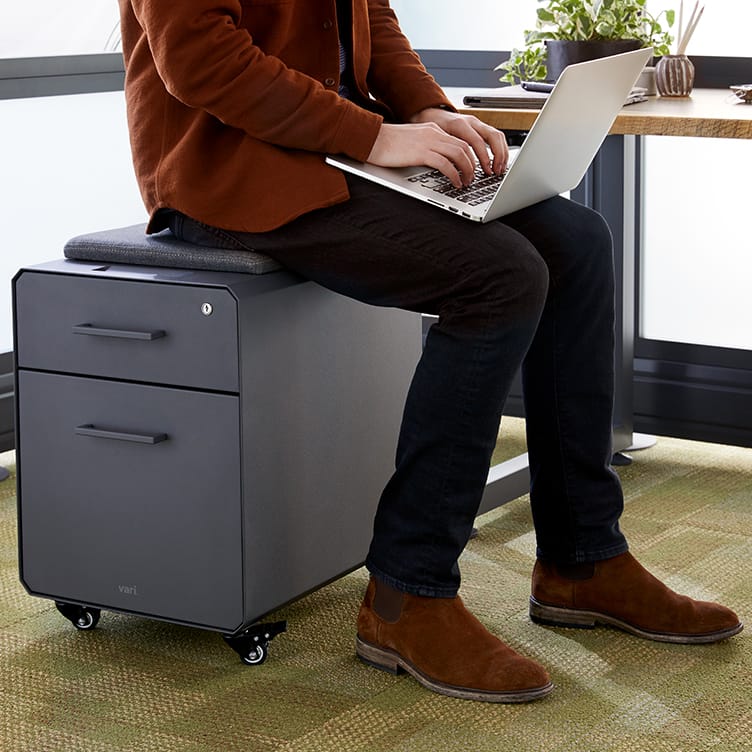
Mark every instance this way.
x=713 y=113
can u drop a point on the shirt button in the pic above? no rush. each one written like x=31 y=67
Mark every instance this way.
x=327 y=25
x=329 y=81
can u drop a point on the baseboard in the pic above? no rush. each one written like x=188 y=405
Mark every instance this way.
x=701 y=403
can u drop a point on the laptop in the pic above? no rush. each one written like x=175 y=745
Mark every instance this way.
x=554 y=157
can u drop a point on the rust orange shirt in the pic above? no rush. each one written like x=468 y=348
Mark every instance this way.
x=233 y=104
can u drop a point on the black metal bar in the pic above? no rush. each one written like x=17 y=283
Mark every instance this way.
x=98 y=331
x=476 y=68
x=106 y=433
x=609 y=188
x=53 y=76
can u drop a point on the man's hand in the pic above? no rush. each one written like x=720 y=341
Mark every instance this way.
x=413 y=144
x=478 y=135
x=446 y=141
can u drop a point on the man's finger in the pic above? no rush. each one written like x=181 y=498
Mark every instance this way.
x=500 y=150
x=461 y=157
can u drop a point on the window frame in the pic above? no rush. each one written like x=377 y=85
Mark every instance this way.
x=22 y=78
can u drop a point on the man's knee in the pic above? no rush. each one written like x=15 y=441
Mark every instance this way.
x=575 y=240
x=590 y=243
x=509 y=285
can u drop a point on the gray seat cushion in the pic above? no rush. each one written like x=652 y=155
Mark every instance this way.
x=130 y=245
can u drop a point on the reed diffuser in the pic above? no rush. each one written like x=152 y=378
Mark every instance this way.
x=675 y=74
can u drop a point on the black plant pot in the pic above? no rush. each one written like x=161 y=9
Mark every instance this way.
x=563 y=52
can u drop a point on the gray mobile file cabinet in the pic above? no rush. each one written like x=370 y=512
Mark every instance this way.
x=200 y=447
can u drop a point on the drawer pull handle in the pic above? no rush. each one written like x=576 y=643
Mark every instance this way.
x=102 y=433
x=96 y=331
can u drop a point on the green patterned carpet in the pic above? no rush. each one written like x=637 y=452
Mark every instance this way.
x=135 y=685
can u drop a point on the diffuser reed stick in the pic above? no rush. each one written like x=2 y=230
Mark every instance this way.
x=685 y=33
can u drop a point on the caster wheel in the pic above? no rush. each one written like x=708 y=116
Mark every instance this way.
x=252 y=645
x=82 y=617
x=88 y=619
x=255 y=656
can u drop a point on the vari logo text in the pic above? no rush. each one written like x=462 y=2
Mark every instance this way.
x=128 y=589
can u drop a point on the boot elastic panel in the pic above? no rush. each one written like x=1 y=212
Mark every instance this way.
x=387 y=602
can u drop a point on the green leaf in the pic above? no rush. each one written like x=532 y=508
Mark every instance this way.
x=586 y=20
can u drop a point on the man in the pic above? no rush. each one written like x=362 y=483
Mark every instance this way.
x=232 y=106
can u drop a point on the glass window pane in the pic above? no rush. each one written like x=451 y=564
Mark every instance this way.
x=61 y=181
x=469 y=25
x=723 y=30
x=492 y=25
x=696 y=262
x=51 y=27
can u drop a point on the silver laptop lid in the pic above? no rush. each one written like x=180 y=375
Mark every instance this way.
x=569 y=130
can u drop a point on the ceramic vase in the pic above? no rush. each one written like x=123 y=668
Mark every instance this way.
x=674 y=76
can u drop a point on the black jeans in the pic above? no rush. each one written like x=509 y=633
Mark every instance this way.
x=535 y=288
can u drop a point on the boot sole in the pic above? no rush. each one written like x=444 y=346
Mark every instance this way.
x=388 y=660
x=555 y=616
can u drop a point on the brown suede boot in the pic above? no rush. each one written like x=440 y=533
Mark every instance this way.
x=440 y=643
x=620 y=592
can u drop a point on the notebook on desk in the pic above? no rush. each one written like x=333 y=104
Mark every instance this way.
x=518 y=98
x=506 y=96
x=554 y=157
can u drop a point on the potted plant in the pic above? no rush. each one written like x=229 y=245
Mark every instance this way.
x=570 y=31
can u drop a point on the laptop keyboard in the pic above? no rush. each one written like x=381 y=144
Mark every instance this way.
x=481 y=190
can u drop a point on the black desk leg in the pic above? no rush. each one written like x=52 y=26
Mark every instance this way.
x=611 y=188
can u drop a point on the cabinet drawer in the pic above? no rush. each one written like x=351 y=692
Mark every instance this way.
x=129 y=497
x=133 y=330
